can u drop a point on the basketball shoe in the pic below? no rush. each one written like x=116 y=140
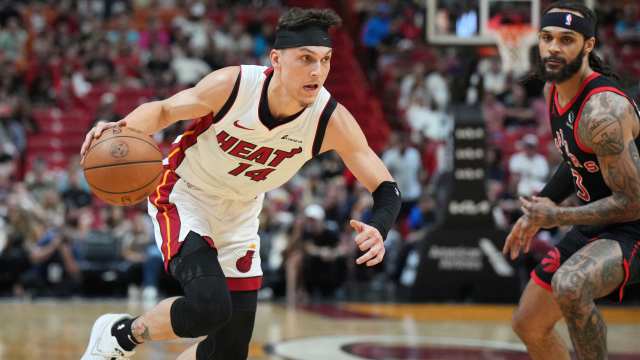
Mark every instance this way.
x=103 y=345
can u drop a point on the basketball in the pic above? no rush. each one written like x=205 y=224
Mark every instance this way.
x=123 y=166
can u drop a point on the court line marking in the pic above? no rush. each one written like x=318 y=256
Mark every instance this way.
x=330 y=347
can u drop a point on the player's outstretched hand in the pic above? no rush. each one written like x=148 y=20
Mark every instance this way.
x=520 y=237
x=95 y=133
x=370 y=240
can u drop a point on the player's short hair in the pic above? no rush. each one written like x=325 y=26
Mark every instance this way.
x=297 y=18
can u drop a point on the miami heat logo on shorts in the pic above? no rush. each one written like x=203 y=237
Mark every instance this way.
x=119 y=150
x=243 y=264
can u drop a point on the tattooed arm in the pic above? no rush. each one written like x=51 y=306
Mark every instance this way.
x=608 y=126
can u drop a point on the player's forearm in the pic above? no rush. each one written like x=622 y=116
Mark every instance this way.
x=149 y=118
x=617 y=208
x=560 y=186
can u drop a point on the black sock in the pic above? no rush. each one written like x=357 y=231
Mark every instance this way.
x=122 y=331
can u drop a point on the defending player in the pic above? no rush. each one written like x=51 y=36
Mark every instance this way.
x=257 y=126
x=595 y=127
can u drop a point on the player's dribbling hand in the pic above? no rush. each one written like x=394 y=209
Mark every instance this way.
x=95 y=133
x=520 y=237
x=370 y=240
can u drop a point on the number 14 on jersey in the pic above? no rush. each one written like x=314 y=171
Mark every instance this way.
x=254 y=174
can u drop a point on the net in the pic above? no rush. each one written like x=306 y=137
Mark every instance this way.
x=514 y=43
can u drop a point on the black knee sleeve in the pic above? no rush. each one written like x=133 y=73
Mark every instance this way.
x=232 y=341
x=206 y=306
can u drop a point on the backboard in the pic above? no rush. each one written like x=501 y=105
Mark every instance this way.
x=469 y=22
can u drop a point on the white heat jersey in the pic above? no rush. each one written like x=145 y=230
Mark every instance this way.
x=242 y=152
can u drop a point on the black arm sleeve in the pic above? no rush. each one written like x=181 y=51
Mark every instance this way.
x=386 y=207
x=560 y=186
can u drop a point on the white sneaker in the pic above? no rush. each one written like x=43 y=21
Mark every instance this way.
x=103 y=345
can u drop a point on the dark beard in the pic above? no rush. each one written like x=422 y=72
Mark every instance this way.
x=565 y=73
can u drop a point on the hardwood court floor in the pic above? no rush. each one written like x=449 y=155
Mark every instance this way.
x=59 y=330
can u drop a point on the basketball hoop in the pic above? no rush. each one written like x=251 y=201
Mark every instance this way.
x=514 y=42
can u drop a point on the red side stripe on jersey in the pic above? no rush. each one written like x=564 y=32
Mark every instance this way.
x=167 y=215
x=562 y=110
x=189 y=137
x=581 y=145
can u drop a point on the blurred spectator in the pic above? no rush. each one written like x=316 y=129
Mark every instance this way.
x=74 y=196
x=159 y=66
x=6 y=171
x=427 y=120
x=412 y=85
x=421 y=219
x=494 y=80
x=55 y=269
x=375 y=30
x=188 y=68
x=19 y=230
x=39 y=179
x=73 y=168
x=194 y=26
x=493 y=113
x=528 y=168
x=324 y=259
x=438 y=86
x=518 y=110
x=140 y=251
x=12 y=39
x=495 y=174
x=628 y=27
x=106 y=111
x=155 y=34
x=405 y=164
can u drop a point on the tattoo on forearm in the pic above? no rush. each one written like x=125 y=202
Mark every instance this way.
x=601 y=129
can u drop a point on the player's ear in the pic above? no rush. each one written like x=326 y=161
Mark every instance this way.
x=589 y=45
x=275 y=56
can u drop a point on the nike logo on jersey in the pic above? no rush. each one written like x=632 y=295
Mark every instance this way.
x=237 y=124
x=286 y=137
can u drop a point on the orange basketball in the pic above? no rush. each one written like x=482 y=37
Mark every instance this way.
x=123 y=166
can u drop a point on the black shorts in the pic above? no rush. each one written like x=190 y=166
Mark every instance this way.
x=626 y=235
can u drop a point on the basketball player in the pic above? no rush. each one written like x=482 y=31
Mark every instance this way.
x=595 y=127
x=257 y=126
